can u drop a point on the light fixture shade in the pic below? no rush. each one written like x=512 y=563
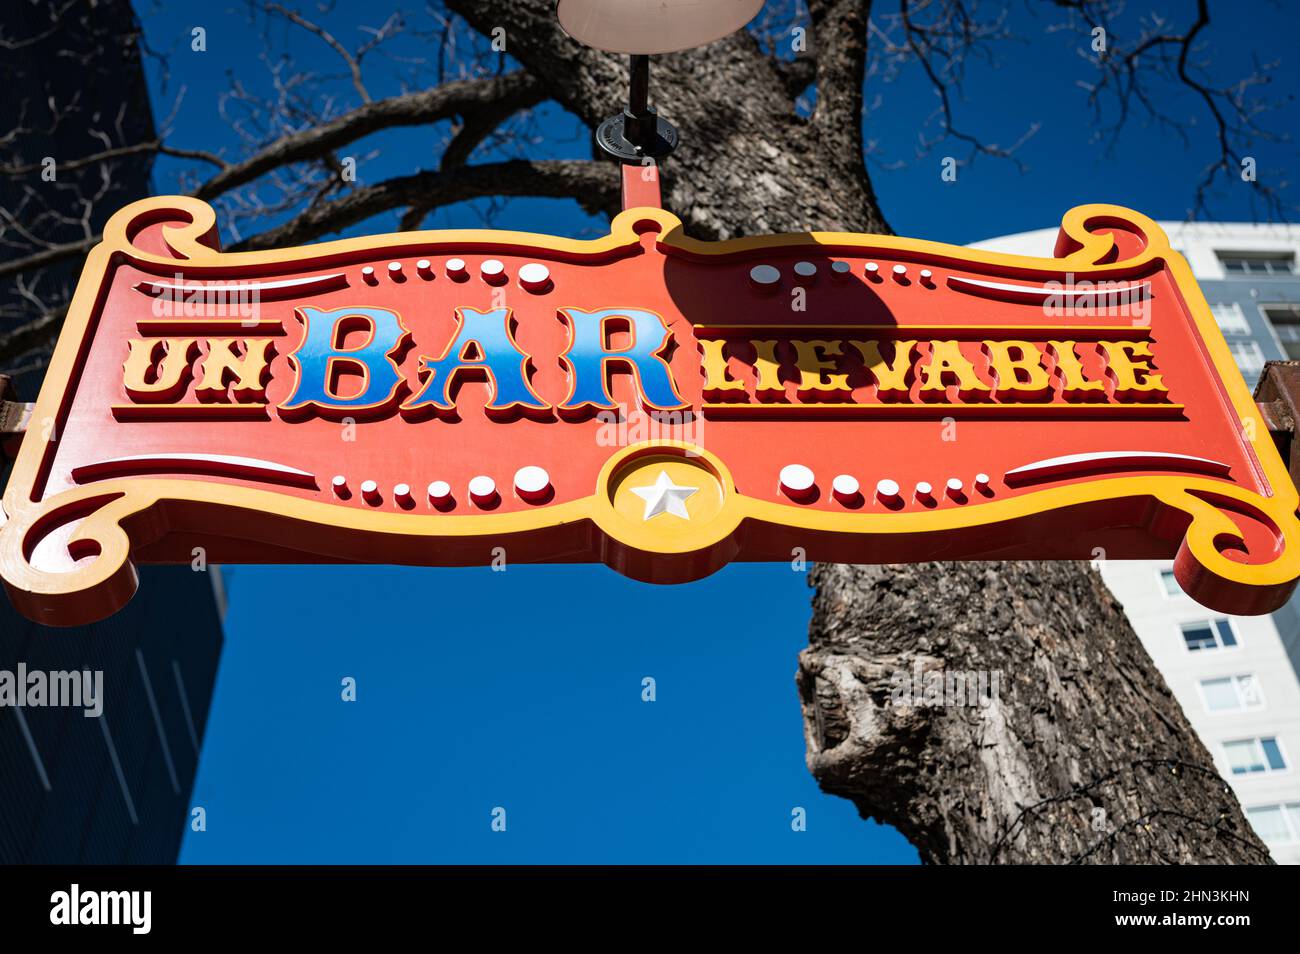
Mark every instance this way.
x=653 y=26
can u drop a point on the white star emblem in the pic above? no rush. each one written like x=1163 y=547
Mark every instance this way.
x=663 y=496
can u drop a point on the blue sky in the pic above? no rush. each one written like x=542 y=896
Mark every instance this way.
x=522 y=689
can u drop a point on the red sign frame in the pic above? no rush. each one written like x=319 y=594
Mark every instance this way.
x=647 y=400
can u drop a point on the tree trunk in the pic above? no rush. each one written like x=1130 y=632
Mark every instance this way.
x=1077 y=753
x=1082 y=720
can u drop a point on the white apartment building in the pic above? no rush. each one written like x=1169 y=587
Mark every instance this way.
x=1235 y=676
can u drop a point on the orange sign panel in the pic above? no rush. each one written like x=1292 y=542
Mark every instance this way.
x=646 y=400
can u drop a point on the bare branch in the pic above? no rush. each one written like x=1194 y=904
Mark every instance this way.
x=353 y=62
x=48 y=256
x=489 y=101
x=154 y=147
x=594 y=185
x=941 y=37
x=34 y=334
x=1161 y=53
x=498 y=96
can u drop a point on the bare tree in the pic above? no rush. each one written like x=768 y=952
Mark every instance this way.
x=80 y=93
x=1085 y=729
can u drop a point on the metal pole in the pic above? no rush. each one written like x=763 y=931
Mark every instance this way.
x=638 y=94
x=637 y=133
x=641 y=121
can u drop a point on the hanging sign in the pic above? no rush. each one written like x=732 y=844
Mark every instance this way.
x=646 y=400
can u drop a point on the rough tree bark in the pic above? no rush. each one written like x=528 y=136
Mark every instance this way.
x=1083 y=755
x=1083 y=721
x=750 y=164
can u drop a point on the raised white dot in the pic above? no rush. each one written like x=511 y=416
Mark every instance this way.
x=368 y=274
x=394 y=269
x=887 y=489
x=482 y=488
x=797 y=480
x=402 y=491
x=840 y=269
x=900 y=270
x=340 y=485
x=492 y=268
x=456 y=267
x=845 y=486
x=534 y=276
x=872 y=269
x=370 y=491
x=764 y=275
x=439 y=491
x=805 y=269
x=923 y=489
x=423 y=265
x=532 y=481
x=926 y=274
x=954 y=484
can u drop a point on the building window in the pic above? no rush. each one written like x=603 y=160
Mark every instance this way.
x=1250 y=756
x=1230 y=317
x=1249 y=357
x=1231 y=694
x=1243 y=263
x=1212 y=634
x=1285 y=320
x=1170 y=585
x=1276 y=823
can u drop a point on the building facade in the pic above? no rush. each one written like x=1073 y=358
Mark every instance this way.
x=112 y=788
x=1235 y=676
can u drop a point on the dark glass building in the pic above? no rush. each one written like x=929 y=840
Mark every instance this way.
x=115 y=788
x=112 y=789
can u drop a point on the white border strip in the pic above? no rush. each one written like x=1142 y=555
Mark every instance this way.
x=1075 y=464
x=975 y=286
x=221 y=464
x=243 y=289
